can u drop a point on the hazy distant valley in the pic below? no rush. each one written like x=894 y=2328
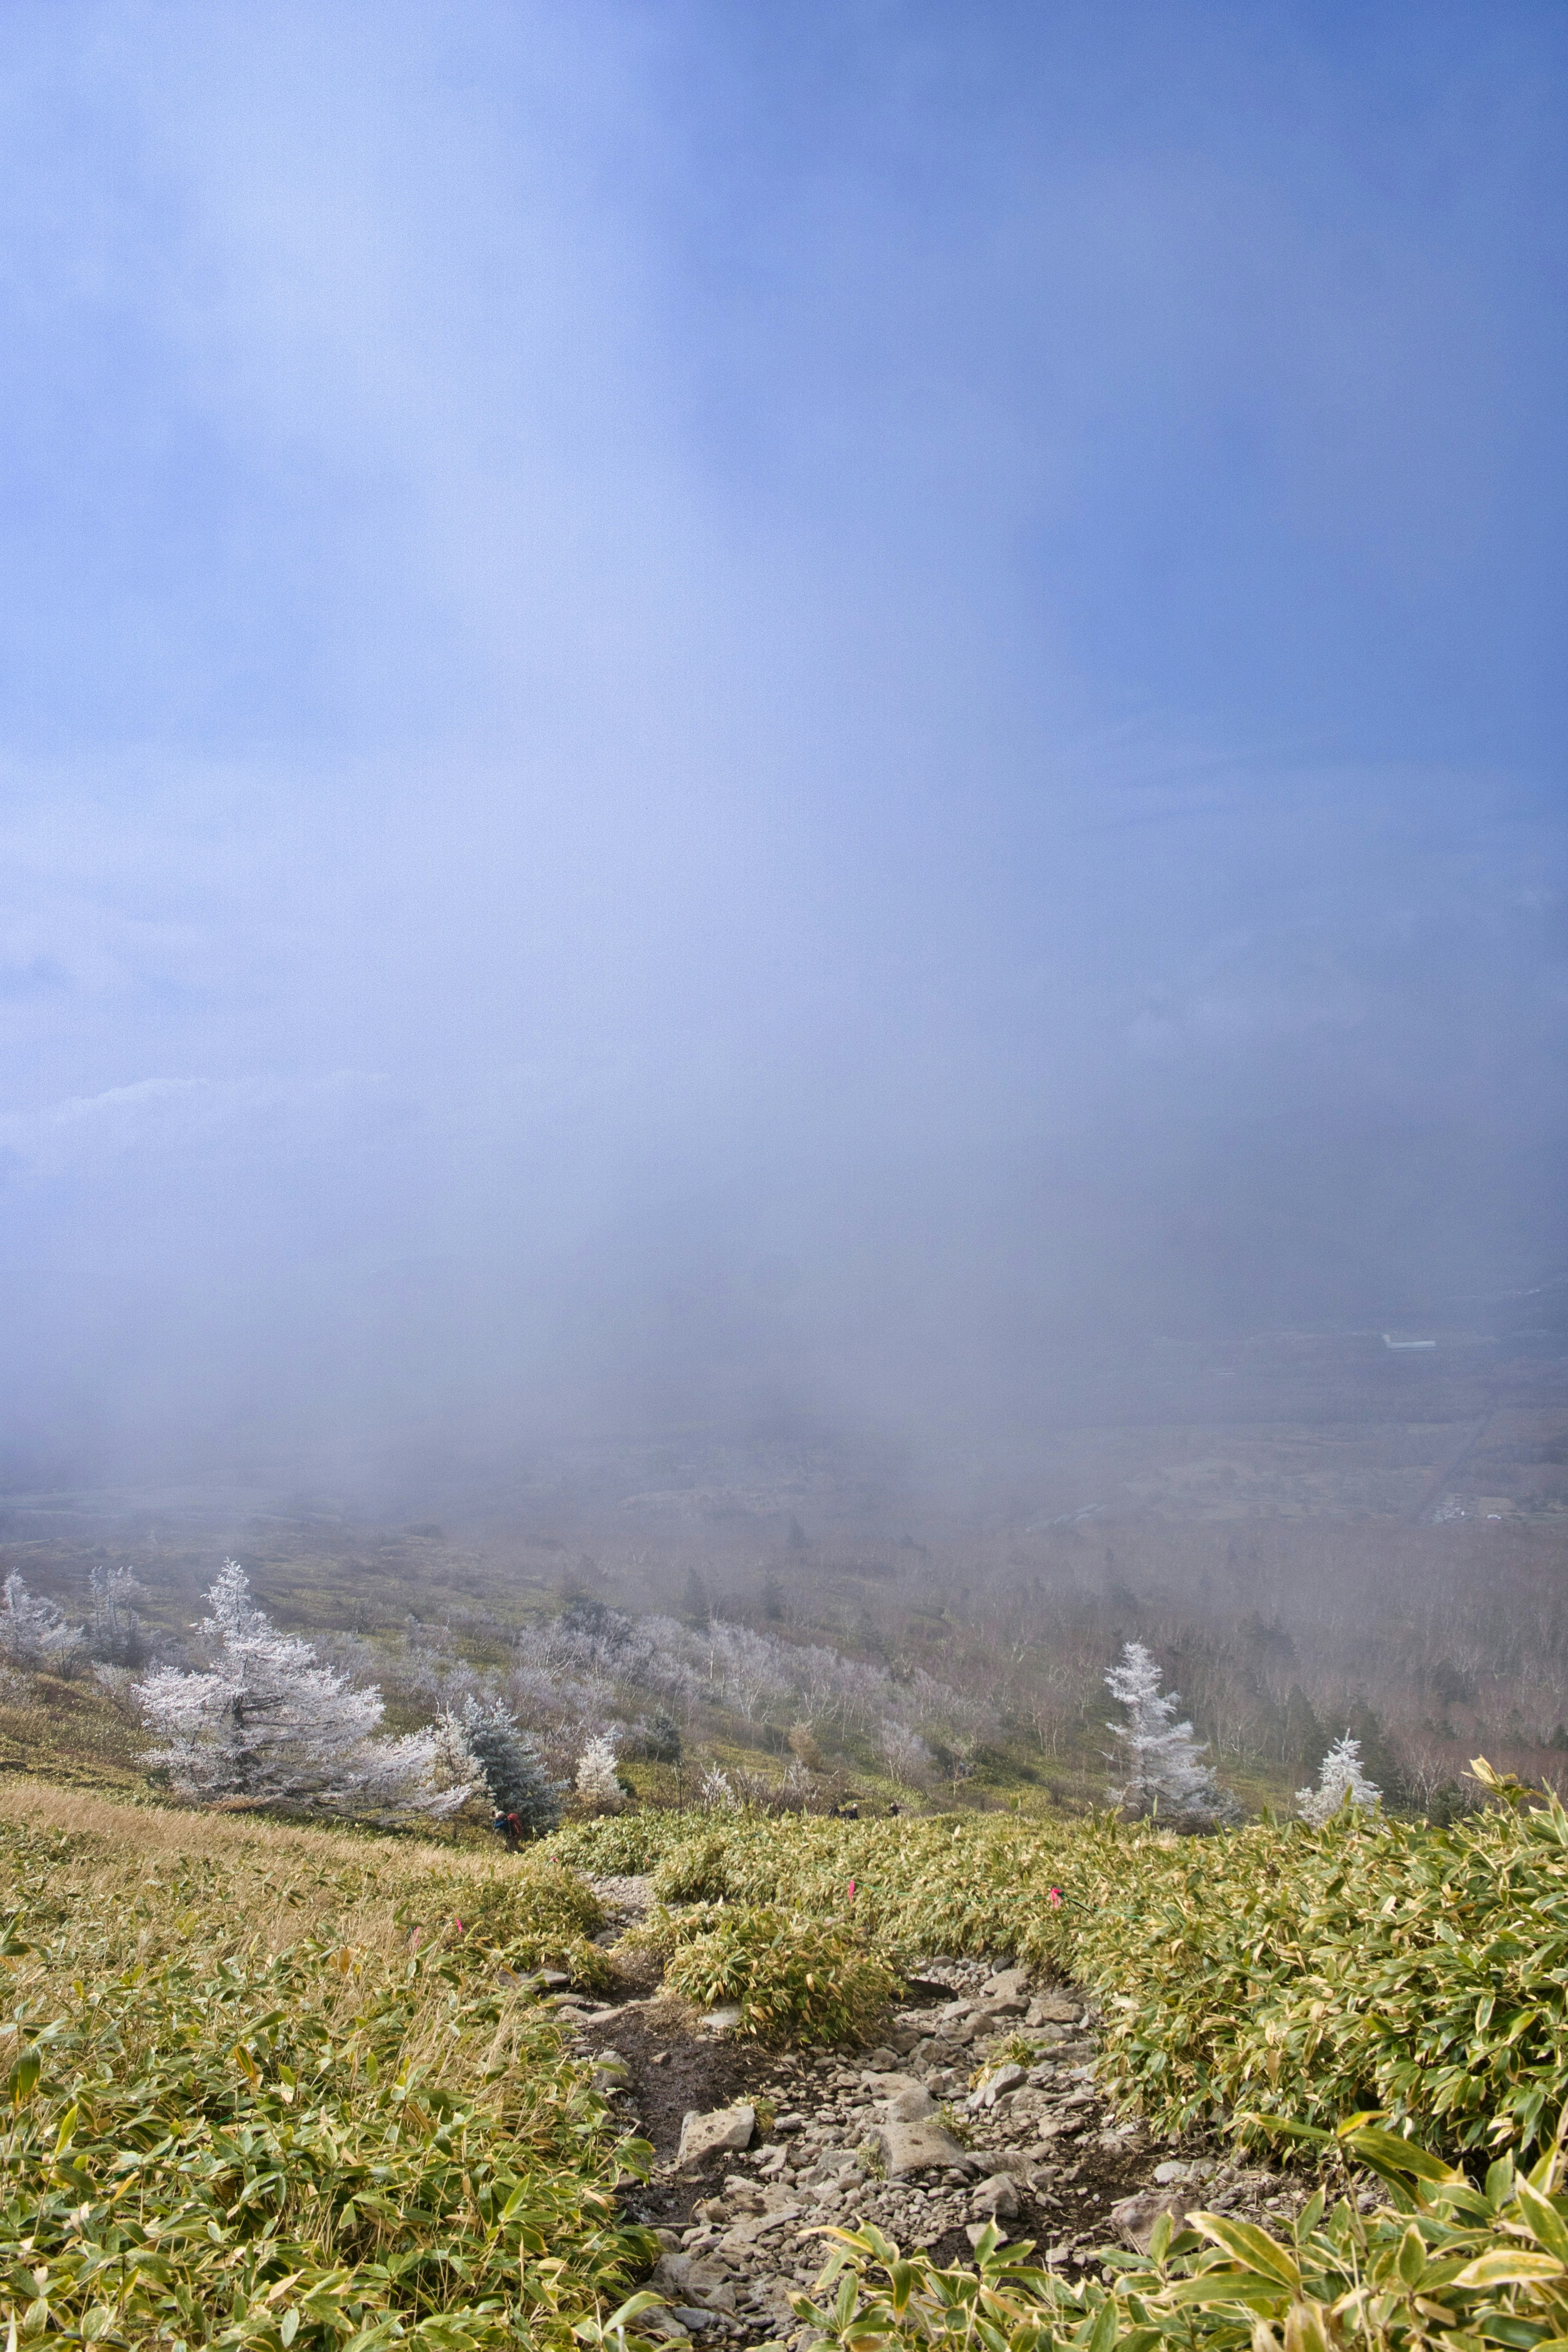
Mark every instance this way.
x=1311 y=1532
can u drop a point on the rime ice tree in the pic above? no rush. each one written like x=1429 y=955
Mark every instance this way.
x=267 y=1725
x=1340 y=1780
x=1160 y=1757
x=113 y=1630
x=597 y=1784
x=905 y=1753
x=488 y=1732
x=33 y=1632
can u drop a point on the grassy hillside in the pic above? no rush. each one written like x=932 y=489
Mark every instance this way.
x=1275 y=1975
x=271 y=2087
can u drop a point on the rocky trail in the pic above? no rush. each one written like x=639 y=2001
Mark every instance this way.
x=979 y=2104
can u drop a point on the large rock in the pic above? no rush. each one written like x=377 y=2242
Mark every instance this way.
x=922 y=2147
x=741 y=2195
x=1007 y=1984
x=998 y=2197
x=1135 y=2216
x=911 y=2106
x=999 y=2083
x=706 y=2135
x=665 y=2323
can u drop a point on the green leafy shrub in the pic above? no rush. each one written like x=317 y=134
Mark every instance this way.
x=1307 y=1974
x=620 y=1845
x=795 y=1980
x=240 y=2109
x=538 y=1916
x=1444 y=2263
x=693 y=1872
x=1280 y=1972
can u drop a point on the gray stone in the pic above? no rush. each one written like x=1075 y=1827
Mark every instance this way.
x=1135 y=2216
x=1007 y=1984
x=722 y=2019
x=919 y=2146
x=909 y=2106
x=998 y=2195
x=1165 y=2173
x=706 y=2135
x=999 y=2083
x=975 y=2230
x=740 y=2195
x=881 y=2061
x=1053 y=2009
x=692 y=2320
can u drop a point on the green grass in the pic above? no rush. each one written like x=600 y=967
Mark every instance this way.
x=1271 y=1976
x=271 y=2087
x=1443 y=2262
x=794 y=1979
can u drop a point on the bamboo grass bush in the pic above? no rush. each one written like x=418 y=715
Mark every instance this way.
x=795 y=1979
x=245 y=2104
x=1282 y=1973
x=1445 y=2263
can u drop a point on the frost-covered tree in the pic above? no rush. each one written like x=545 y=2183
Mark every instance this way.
x=113 y=1630
x=716 y=1791
x=33 y=1631
x=1158 y=1758
x=905 y=1753
x=485 y=1732
x=267 y=1723
x=597 y=1783
x=1340 y=1780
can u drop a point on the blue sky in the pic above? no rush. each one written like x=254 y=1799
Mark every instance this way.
x=638 y=643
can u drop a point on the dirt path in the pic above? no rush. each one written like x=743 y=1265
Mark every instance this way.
x=1037 y=2145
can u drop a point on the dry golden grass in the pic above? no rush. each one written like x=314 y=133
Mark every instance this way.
x=300 y=2071
x=251 y=1882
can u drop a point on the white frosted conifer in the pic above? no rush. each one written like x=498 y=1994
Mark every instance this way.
x=597 y=1783
x=1340 y=1780
x=1159 y=1758
x=33 y=1631
x=267 y=1725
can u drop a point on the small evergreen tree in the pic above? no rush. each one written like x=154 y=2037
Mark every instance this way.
x=508 y=1759
x=33 y=1631
x=597 y=1784
x=1340 y=1780
x=662 y=1738
x=267 y=1724
x=1159 y=1757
